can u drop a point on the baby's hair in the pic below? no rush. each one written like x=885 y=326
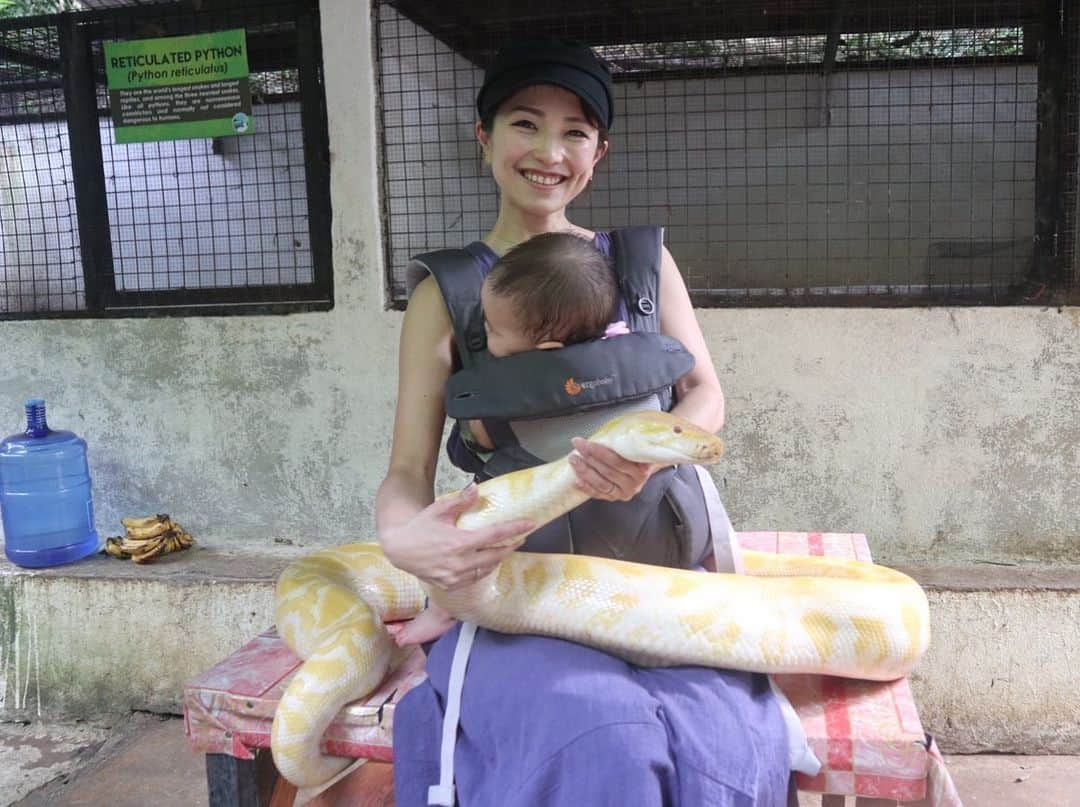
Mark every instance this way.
x=562 y=287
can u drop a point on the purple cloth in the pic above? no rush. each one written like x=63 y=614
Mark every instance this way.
x=550 y=723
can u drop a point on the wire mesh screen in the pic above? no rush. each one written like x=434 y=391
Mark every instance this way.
x=1071 y=130
x=872 y=152
x=237 y=223
x=226 y=212
x=435 y=191
x=40 y=266
x=196 y=214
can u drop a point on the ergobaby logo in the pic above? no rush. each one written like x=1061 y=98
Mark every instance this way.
x=573 y=387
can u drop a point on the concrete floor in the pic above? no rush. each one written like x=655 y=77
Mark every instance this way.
x=141 y=761
x=145 y=761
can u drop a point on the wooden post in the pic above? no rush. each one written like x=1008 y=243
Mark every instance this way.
x=236 y=782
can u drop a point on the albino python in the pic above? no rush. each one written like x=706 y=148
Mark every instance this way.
x=788 y=614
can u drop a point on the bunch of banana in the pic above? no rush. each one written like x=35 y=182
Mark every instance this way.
x=147 y=537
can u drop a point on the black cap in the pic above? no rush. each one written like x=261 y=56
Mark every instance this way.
x=565 y=64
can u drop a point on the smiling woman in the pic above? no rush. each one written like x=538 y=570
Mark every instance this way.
x=542 y=150
x=544 y=721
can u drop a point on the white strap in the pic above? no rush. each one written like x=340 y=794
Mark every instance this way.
x=729 y=559
x=306 y=794
x=800 y=757
x=442 y=794
x=725 y=543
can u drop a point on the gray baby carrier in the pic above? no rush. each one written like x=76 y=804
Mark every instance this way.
x=532 y=403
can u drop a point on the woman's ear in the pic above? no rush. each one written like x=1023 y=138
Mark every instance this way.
x=601 y=150
x=484 y=138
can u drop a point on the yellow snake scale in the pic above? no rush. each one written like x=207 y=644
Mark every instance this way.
x=786 y=614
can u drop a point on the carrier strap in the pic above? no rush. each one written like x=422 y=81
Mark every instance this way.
x=637 y=253
x=443 y=794
x=725 y=545
x=458 y=273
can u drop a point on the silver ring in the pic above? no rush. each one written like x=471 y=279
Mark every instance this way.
x=476 y=573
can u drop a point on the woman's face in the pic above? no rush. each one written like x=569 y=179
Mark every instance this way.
x=542 y=149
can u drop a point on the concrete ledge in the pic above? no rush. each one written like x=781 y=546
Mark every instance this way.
x=1001 y=671
x=104 y=637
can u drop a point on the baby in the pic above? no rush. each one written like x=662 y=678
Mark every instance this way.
x=553 y=290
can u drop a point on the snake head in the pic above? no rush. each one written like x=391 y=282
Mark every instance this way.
x=660 y=438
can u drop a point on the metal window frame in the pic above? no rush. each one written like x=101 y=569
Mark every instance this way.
x=76 y=31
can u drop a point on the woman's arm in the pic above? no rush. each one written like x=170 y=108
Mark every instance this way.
x=698 y=394
x=601 y=472
x=416 y=533
x=424 y=364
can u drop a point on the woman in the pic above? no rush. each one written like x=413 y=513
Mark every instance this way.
x=545 y=721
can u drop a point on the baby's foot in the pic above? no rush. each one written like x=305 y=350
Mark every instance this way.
x=428 y=625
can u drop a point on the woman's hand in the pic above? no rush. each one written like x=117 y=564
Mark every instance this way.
x=430 y=547
x=603 y=474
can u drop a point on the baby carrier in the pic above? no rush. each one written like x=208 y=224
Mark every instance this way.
x=532 y=403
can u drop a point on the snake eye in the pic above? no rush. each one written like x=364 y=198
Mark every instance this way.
x=677 y=429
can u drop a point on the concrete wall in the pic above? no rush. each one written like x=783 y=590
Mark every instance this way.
x=944 y=433
x=1001 y=670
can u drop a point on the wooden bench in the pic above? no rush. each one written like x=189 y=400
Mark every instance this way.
x=867 y=735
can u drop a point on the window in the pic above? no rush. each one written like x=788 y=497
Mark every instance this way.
x=92 y=227
x=810 y=152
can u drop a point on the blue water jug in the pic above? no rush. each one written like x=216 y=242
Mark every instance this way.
x=45 y=500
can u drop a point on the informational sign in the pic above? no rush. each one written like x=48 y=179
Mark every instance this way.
x=179 y=87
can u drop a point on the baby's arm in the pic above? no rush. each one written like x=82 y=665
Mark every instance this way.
x=429 y=624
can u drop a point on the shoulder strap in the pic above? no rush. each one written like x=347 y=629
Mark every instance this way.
x=636 y=253
x=459 y=276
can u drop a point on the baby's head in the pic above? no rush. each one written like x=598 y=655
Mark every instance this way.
x=553 y=290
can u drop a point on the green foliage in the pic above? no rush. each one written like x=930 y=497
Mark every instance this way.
x=30 y=8
x=956 y=43
x=800 y=49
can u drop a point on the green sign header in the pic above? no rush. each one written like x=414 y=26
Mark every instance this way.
x=179 y=87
